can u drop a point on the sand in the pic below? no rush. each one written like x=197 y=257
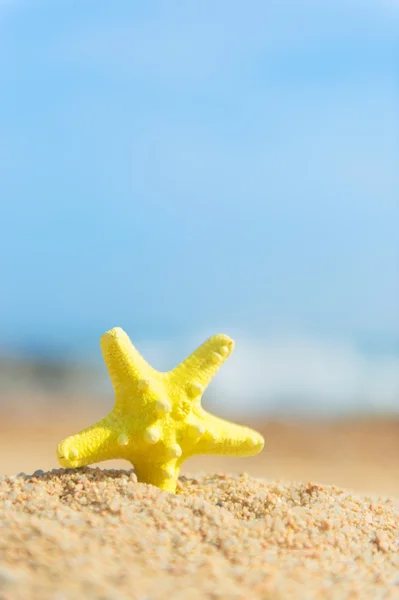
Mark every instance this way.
x=99 y=534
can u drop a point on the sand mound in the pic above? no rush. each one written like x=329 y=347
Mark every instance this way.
x=99 y=534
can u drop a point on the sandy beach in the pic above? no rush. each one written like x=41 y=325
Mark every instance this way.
x=99 y=534
x=314 y=515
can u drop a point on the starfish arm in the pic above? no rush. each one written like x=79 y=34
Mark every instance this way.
x=229 y=439
x=124 y=363
x=91 y=445
x=203 y=364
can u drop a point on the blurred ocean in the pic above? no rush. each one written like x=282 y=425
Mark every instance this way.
x=275 y=376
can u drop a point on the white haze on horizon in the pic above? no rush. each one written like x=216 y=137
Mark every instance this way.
x=294 y=374
x=286 y=375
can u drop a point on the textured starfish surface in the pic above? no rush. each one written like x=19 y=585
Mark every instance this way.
x=158 y=421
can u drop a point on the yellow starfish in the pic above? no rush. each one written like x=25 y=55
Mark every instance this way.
x=158 y=421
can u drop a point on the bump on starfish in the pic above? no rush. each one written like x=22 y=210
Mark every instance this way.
x=158 y=421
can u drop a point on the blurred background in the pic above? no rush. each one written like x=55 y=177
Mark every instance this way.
x=182 y=169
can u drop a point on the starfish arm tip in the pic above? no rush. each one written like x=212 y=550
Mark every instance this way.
x=221 y=344
x=198 y=369
x=112 y=334
x=257 y=442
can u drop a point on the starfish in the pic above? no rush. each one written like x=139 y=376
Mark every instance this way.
x=158 y=421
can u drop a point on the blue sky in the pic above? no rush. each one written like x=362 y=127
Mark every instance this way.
x=175 y=168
